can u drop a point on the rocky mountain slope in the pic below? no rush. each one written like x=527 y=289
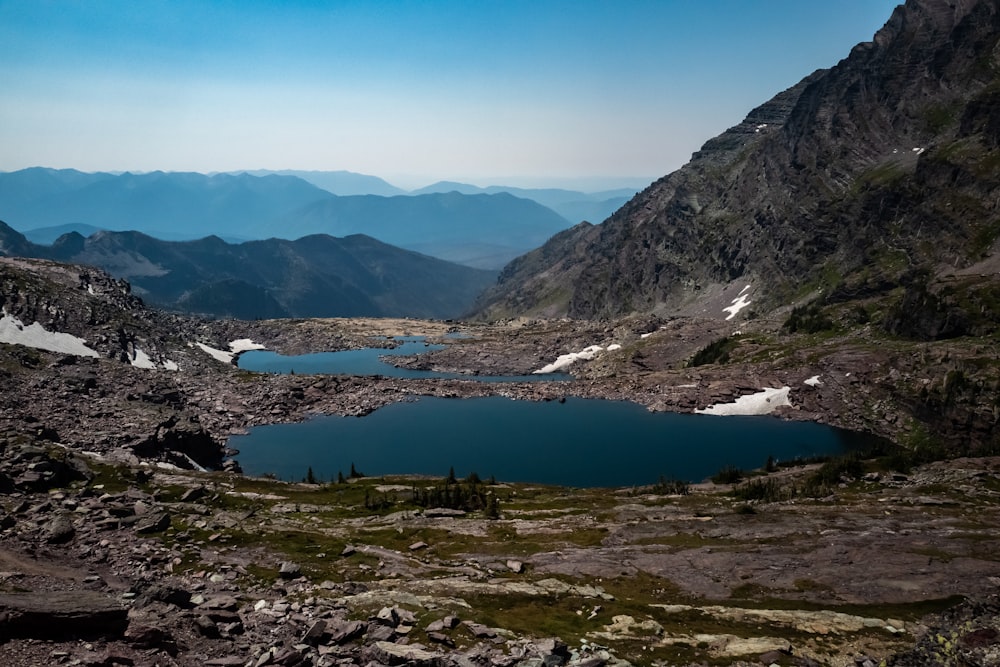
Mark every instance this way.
x=859 y=180
x=315 y=276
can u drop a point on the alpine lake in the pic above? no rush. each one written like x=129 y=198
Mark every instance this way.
x=573 y=442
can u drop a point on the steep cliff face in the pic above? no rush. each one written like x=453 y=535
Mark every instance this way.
x=848 y=181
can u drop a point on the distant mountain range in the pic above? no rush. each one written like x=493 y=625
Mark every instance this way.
x=501 y=225
x=482 y=227
x=341 y=183
x=315 y=276
x=573 y=205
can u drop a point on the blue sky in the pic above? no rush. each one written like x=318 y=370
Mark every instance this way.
x=580 y=93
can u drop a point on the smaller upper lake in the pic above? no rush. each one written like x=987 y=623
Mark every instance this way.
x=368 y=361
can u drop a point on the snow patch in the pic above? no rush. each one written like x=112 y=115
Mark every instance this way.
x=171 y=365
x=565 y=360
x=739 y=303
x=613 y=347
x=813 y=381
x=13 y=331
x=219 y=355
x=142 y=360
x=244 y=345
x=647 y=335
x=762 y=403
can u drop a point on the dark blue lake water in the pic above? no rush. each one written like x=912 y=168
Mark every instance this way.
x=582 y=442
x=368 y=362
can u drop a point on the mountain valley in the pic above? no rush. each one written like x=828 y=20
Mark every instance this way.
x=833 y=258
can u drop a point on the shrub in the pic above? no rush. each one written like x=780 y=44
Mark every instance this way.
x=716 y=352
x=761 y=490
x=729 y=474
x=671 y=487
x=808 y=319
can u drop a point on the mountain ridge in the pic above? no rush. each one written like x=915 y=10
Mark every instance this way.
x=313 y=276
x=483 y=230
x=827 y=186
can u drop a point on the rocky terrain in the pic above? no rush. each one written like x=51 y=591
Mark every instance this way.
x=116 y=549
x=834 y=249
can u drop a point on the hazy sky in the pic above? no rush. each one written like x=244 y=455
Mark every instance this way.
x=473 y=90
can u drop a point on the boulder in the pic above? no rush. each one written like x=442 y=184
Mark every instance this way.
x=59 y=530
x=206 y=627
x=388 y=616
x=345 y=631
x=289 y=570
x=52 y=615
x=150 y=637
x=166 y=593
x=193 y=495
x=314 y=635
x=403 y=654
x=479 y=630
x=156 y=522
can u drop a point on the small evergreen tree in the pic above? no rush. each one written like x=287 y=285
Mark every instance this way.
x=492 y=506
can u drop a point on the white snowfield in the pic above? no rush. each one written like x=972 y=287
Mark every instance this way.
x=762 y=403
x=12 y=330
x=564 y=360
x=739 y=303
x=244 y=345
x=814 y=381
x=219 y=355
x=143 y=360
x=235 y=347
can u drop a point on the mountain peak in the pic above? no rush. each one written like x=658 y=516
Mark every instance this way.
x=848 y=180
